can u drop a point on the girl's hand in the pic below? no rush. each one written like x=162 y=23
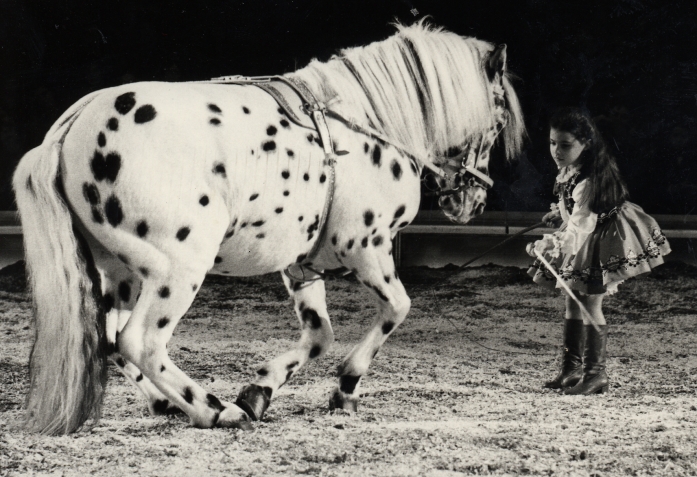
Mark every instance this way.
x=530 y=249
x=552 y=219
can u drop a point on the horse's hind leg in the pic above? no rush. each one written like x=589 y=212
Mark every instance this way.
x=315 y=339
x=163 y=301
x=120 y=291
x=374 y=268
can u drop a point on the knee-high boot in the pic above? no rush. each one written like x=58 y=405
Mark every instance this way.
x=571 y=367
x=595 y=380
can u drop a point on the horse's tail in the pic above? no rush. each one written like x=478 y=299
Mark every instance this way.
x=68 y=360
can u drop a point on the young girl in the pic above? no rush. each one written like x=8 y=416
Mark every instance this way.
x=603 y=240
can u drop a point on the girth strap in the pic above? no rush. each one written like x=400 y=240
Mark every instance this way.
x=280 y=87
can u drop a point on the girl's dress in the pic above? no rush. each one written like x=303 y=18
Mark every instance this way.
x=593 y=253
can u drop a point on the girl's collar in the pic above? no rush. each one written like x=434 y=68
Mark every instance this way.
x=566 y=173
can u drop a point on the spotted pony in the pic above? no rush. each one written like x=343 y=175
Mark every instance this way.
x=138 y=191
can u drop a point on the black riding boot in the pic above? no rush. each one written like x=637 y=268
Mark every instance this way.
x=571 y=367
x=595 y=380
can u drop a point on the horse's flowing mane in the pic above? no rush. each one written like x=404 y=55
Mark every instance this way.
x=424 y=88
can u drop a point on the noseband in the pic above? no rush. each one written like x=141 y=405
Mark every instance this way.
x=467 y=175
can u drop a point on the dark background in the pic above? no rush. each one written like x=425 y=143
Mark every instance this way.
x=632 y=63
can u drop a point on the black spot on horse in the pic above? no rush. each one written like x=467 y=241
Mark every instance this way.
x=144 y=271
x=279 y=210
x=285 y=174
x=318 y=141
x=368 y=217
x=121 y=363
x=309 y=138
x=218 y=259
x=188 y=395
x=139 y=378
x=125 y=102
x=162 y=322
x=182 y=233
x=387 y=278
x=301 y=258
x=292 y=365
x=396 y=170
x=214 y=108
x=105 y=168
x=253 y=197
x=112 y=124
x=163 y=292
x=306 y=177
x=285 y=123
x=112 y=210
x=347 y=384
x=91 y=193
x=204 y=200
x=310 y=317
x=271 y=130
x=322 y=178
x=214 y=403
x=194 y=287
x=296 y=286
x=98 y=166
x=376 y=157
x=334 y=239
x=261 y=236
x=101 y=139
x=349 y=245
x=387 y=327
x=113 y=165
x=379 y=293
x=108 y=302
x=286 y=193
x=160 y=406
x=268 y=146
x=300 y=219
x=97 y=215
x=400 y=211
x=403 y=224
x=315 y=351
x=364 y=242
x=142 y=228
x=366 y=147
x=262 y=372
x=258 y=223
x=162 y=368
x=377 y=241
x=214 y=121
x=144 y=114
x=219 y=169
x=125 y=292
x=123 y=258
x=245 y=109
x=230 y=234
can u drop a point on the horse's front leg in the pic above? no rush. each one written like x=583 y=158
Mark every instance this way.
x=374 y=268
x=315 y=339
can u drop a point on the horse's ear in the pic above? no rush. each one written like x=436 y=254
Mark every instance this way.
x=496 y=62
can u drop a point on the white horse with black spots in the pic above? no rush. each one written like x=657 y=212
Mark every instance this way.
x=138 y=191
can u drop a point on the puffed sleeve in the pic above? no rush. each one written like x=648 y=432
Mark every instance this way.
x=579 y=226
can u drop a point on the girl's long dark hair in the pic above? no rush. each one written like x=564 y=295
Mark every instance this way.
x=606 y=188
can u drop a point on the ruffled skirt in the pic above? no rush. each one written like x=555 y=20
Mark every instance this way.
x=626 y=243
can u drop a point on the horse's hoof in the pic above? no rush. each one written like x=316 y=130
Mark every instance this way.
x=234 y=418
x=343 y=401
x=254 y=400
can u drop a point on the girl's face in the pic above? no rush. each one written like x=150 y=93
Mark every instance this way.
x=565 y=148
